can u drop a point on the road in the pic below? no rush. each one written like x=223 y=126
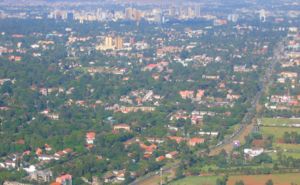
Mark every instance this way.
x=249 y=120
x=154 y=177
x=246 y=126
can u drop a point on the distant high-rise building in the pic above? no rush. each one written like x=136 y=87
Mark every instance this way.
x=233 y=17
x=183 y=12
x=190 y=12
x=262 y=15
x=132 y=14
x=70 y=16
x=119 y=42
x=111 y=43
x=136 y=15
x=172 y=11
x=128 y=13
x=108 y=42
x=197 y=10
x=157 y=15
x=59 y=14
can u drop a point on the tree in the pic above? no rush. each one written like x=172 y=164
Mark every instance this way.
x=240 y=182
x=184 y=54
x=222 y=181
x=179 y=172
x=269 y=182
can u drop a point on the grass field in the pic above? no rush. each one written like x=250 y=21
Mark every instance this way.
x=196 y=180
x=292 y=150
x=288 y=147
x=277 y=132
x=279 y=121
x=278 y=179
x=287 y=154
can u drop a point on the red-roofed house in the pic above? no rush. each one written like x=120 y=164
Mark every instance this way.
x=148 y=149
x=90 y=137
x=194 y=141
x=150 y=67
x=171 y=155
x=48 y=147
x=67 y=150
x=65 y=179
x=186 y=94
x=176 y=138
x=39 y=151
x=55 y=183
x=160 y=158
x=200 y=94
x=20 y=142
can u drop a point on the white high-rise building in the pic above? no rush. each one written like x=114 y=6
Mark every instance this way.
x=262 y=15
x=197 y=10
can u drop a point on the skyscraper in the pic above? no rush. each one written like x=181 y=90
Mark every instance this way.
x=190 y=12
x=108 y=42
x=197 y=10
x=119 y=42
x=262 y=15
x=128 y=13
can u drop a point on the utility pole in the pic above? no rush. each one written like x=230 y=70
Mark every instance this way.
x=1 y=125
x=161 y=176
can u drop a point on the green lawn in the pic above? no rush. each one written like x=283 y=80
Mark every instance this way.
x=277 y=132
x=278 y=179
x=279 y=121
x=292 y=150
x=205 y=169
x=288 y=147
x=287 y=154
x=196 y=180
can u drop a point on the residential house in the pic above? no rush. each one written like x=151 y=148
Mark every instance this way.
x=186 y=94
x=38 y=151
x=41 y=175
x=171 y=155
x=194 y=141
x=253 y=152
x=160 y=158
x=177 y=139
x=65 y=179
x=148 y=149
x=44 y=157
x=200 y=93
x=48 y=148
x=125 y=127
x=90 y=137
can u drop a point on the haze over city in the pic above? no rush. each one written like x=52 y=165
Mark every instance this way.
x=142 y=92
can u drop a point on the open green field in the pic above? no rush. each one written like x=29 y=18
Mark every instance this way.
x=277 y=132
x=295 y=155
x=288 y=147
x=279 y=121
x=196 y=180
x=278 y=179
